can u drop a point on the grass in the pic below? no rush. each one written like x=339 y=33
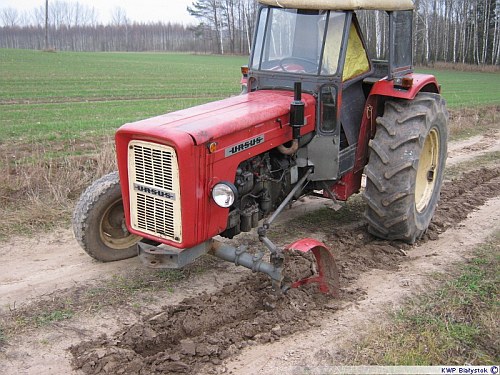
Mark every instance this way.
x=76 y=120
x=456 y=324
x=134 y=289
x=43 y=316
x=39 y=193
x=351 y=211
x=3 y=338
x=131 y=285
x=469 y=122
x=95 y=76
x=137 y=290
x=49 y=317
x=467 y=89
x=320 y=221
x=46 y=97
x=51 y=96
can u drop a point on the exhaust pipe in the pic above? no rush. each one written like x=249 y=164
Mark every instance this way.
x=297 y=120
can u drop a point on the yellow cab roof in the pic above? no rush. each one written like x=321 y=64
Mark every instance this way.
x=387 y=5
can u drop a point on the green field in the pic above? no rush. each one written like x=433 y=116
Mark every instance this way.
x=467 y=89
x=66 y=96
x=61 y=96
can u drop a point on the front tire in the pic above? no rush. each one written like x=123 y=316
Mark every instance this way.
x=99 y=222
x=406 y=167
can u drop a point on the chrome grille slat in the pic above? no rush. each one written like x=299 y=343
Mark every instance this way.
x=154 y=166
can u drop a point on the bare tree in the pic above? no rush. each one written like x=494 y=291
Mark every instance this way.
x=9 y=17
x=119 y=16
x=120 y=20
x=46 y=24
x=495 y=56
x=209 y=12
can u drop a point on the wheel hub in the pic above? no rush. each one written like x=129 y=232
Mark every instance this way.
x=112 y=229
x=426 y=171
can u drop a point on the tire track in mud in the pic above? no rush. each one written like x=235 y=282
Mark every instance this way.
x=202 y=331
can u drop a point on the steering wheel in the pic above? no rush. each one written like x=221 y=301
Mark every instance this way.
x=309 y=66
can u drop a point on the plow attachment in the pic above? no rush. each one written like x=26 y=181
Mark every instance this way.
x=326 y=275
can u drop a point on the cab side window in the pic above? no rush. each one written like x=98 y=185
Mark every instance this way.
x=333 y=42
x=356 y=60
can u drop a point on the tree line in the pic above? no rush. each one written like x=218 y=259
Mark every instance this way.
x=457 y=31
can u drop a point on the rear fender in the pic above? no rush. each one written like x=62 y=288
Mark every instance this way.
x=421 y=82
x=381 y=90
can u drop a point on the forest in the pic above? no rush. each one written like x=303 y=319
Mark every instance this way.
x=455 y=31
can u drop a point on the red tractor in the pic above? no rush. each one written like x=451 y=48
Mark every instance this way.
x=316 y=113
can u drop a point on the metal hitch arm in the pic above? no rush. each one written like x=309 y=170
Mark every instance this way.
x=168 y=257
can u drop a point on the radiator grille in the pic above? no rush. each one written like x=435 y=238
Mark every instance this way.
x=155 y=215
x=154 y=190
x=153 y=167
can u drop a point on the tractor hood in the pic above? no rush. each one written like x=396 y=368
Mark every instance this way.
x=213 y=120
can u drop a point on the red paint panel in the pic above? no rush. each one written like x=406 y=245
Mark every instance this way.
x=217 y=119
x=305 y=244
x=349 y=184
x=386 y=88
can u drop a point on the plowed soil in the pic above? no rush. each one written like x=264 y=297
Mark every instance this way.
x=200 y=332
x=228 y=319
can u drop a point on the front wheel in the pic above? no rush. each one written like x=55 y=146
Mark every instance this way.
x=99 y=222
x=406 y=167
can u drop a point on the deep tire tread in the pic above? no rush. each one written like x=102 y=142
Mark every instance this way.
x=397 y=169
x=410 y=138
x=379 y=151
x=387 y=126
x=374 y=205
x=375 y=228
x=386 y=202
x=374 y=179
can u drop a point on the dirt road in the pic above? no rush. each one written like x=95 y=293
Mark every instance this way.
x=216 y=321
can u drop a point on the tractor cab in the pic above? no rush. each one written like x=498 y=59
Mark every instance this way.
x=321 y=46
x=326 y=52
x=314 y=44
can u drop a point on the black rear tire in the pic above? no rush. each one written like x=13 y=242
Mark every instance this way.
x=99 y=222
x=406 y=167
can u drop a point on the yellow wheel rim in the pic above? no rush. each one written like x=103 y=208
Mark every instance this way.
x=112 y=229
x=427 y=171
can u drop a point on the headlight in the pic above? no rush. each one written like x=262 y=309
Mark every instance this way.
x=224 y=194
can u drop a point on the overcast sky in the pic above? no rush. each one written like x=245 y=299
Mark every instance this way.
x=136 y=10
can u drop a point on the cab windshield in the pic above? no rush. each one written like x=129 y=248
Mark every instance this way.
x=298 y=41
